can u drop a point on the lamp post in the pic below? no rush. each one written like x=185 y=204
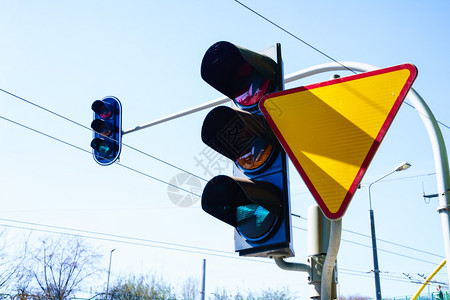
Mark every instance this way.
x=400 y=167
x=109 y=273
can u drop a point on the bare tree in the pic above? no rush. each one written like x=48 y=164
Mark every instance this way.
x=11 y=264
x=190 y=289
x=61 y=266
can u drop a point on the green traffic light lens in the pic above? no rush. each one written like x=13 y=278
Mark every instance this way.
x=254 y=221
x=103 y=147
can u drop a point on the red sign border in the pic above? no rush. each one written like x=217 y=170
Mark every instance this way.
x=402 y=95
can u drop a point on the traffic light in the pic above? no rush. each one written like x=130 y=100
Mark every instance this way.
x=255 y=201
x=107 y=135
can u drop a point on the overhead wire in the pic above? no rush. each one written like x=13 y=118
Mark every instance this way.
x=52 y=229
x=334 y=60
x=90 y=129
x=169 y=164
x=157 y=179
x=388 y=251
x=294 y=36
x=319 y=51
x=86 y=151
x=378 y=239
x=124 y=240
x=395 y=244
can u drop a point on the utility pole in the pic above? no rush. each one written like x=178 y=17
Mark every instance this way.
x=203 y=292
x=109 y=272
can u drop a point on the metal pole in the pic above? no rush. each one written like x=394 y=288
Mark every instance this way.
x=288 y=266
x=204 y=279
x=109 y=273
x=401 y=167
x=326 y=292
x=376 y=268
x=180 y=114
x=375 y=256
x=318 y=241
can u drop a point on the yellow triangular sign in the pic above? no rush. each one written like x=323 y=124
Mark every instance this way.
x=331 y=130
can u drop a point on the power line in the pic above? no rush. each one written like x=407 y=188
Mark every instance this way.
x=43 y=108
x=317 y=50
x=294 y=36
x=142 y=152
x=395 y=244
x=387 y=251
x=90 y=129
x=378 y=239
x=86 y=151
x=391 y=252
x=126 y=240
x=157 y=244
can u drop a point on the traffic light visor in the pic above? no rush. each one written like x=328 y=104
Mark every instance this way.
x=103 y=109
x=102 y=127
x=240 y=74
x=242 y=137
x=104 y=147
x=251 y=207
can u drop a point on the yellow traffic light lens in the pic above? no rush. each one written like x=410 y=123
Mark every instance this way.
x=102 y=127
x=256 y=157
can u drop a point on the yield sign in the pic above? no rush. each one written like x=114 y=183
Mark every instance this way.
x=331 y=130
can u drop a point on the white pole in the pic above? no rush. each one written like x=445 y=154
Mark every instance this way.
x=434 y=134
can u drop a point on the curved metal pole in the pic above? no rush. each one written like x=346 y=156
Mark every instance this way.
x=288 y=266
x=330 y=260
x=434 y=134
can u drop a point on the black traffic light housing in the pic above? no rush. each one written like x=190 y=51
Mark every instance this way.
x=107 y=130
x=255 y=201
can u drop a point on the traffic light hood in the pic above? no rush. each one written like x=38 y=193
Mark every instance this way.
x=223 y=196
x=242 y=75
x=235 y=133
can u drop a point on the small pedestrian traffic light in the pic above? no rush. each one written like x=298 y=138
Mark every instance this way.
x=107 y=130
x=255 y=201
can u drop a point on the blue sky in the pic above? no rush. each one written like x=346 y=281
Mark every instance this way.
x=63 y=55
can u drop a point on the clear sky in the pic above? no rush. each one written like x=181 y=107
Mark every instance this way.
x=63 y=55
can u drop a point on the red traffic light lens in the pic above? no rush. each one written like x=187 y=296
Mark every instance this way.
x=256 y=90
x=102 y=109
x=241 y=74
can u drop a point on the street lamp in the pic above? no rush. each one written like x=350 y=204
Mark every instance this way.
x=401 y=167
x=109 y=272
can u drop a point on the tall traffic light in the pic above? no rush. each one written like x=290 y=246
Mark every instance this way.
x=107 y=135
x=255 y=201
